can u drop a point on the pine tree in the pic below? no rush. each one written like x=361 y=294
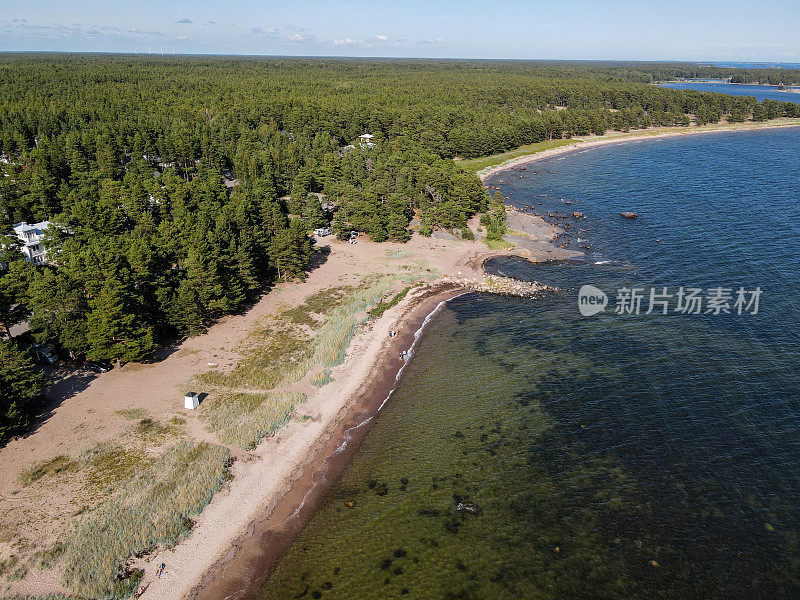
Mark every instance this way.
x=114 y=330
x=187 y=313
x=202 y=271
x=495 y=219
x=21 y=382
x=396 y=227
x=290 y=251
x=313 y=214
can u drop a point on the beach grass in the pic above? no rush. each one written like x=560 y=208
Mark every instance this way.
x=153 y=507
x=132 y=413
x=317 y=305
x=485 y=162
x=42 y=597
x=498 y=244
x=321 y=378
x=273 y=357
x=333 y=337
x=382 y=306
x=244 y=419
x=54 y=466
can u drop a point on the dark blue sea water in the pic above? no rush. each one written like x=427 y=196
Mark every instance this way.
x=759 y=92
x=608 y=456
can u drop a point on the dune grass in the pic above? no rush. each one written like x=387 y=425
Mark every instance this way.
x=55 y=466
x=321 y=378
x=152 y=508
x=486 y=162
x=317 y=306
x=309 y=337
x=273 y=357
x=381 y=307
x=245 y=419
x=333 y=337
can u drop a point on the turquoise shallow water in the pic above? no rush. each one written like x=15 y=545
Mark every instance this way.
x=612 y=456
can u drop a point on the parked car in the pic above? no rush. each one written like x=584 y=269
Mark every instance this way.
x=43 y=354
x=322 y=231
x=97 y=366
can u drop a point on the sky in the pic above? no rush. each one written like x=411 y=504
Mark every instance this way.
x=708 y=30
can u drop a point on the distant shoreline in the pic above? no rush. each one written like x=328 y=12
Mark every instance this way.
x=790 y=89
x=646 y=134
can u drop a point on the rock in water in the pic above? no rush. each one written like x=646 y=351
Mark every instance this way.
x=577 y=214
x=628 y=215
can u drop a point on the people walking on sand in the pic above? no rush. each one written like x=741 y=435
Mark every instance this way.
x=160 y=570
x=139 y=592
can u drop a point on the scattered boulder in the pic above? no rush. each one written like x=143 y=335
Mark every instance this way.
x=628 y=215
x=577 y=214
x=506 y=286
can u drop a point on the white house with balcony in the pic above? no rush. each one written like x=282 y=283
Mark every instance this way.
x=32 y=238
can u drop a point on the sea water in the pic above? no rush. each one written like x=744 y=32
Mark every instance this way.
x=759 y=92
x=533 y=452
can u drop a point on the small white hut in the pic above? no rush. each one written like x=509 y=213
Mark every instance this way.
x=191 y=401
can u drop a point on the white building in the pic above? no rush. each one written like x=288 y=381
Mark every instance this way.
x=32 y=238
x=366 y=140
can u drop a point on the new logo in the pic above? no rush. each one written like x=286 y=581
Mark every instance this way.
x=591 y=300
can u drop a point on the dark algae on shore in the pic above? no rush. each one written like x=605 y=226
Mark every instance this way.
x=530 y=452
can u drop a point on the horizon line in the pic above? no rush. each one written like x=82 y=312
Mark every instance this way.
x=161 y=53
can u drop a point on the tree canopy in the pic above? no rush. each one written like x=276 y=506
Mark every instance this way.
x=179 y=188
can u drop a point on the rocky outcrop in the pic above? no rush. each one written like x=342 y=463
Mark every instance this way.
x=505 y=286
x=628 y=215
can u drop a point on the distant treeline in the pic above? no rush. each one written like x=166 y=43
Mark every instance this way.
x=652 y=72
x=135 y=159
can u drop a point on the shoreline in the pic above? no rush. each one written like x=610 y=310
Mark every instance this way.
x=243 y=530
x=638 y=135
x=244 y=568
x=790 y=89
x=277 y=487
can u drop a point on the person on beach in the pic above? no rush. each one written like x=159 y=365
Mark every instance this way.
x=160 y=570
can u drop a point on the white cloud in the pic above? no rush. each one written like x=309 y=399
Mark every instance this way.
x=184 y=20
x=261 y=31
x=382 y=38
x=347 y=42
x=431 y=41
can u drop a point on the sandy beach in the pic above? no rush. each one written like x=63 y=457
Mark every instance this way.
x=276 y=486
x=633 y=136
